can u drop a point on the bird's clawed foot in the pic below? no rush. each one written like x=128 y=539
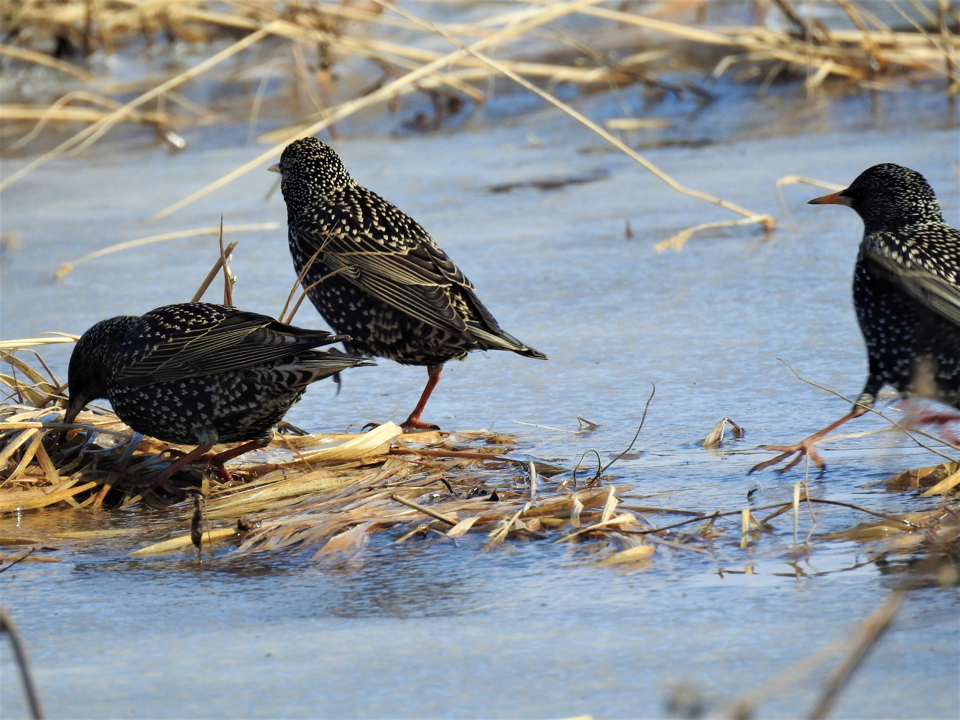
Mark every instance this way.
x=806 y=447
x=412 y=424
x=151 y=481
x=803 y=448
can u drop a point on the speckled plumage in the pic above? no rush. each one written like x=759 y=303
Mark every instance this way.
x=906 y=291
x=397 y=294
x=906 y=286
x=199 y=373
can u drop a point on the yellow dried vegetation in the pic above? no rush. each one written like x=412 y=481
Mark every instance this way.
x=331 y=491
x=327 y=494
x=619 y=47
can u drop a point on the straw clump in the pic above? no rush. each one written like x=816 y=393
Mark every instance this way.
x=328 y=494
x=577 y=42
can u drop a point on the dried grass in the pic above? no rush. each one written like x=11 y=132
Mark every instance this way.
x=329 y=493
x=871 y=56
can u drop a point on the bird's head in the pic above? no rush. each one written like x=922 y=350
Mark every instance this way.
x=90 y=363
x=310 y=170
x=888 y=196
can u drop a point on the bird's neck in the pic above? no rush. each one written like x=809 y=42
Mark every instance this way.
x=310 y=195
x=922 y=212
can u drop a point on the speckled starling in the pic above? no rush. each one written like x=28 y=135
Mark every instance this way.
x=375 y=274
x=200 y=374
x=906 y=291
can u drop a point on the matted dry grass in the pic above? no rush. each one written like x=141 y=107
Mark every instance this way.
x=332 y=492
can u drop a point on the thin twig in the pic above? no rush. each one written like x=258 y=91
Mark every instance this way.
x=227 y=278
x=19 y=558
x=909 y=433
x=310 y=287
x=643 y=417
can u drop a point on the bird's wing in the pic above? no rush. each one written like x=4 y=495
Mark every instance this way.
x=938 y=291
x=389 y=255
x=181 y=341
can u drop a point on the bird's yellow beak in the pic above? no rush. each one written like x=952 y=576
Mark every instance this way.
x=274 y=168
x=837 y=198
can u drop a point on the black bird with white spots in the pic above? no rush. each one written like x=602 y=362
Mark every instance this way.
x=906 y=291
x=198 y=373
x=377 y=275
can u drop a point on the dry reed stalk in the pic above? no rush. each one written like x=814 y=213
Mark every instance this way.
x=59 y=111
x=69 y=267
x=74 y=114
x=56 y=338
x=866 y=637
x=908 y=431
x=794 y=179
x=750 y=217
x=20 y=655
x=383 y=94
x=39 y=58
x=90 y=134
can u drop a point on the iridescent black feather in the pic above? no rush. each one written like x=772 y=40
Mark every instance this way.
x=198 y=373
x=395 y=292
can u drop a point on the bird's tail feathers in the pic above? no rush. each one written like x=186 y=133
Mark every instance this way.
x=504 y=341
x=318 y=364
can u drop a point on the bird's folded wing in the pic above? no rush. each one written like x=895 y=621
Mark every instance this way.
x=412 y=294
x=391 y=256
x=217 y=341
x=931 y=290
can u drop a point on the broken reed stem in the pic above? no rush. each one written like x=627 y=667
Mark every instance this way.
x=425 y=510
x=751 y=217
x=869 y=633
x=643 y=417
x=17 y=559
x=20 y=654
x=224 y=254
x=676 y=242
x=792 y=180
x=225 y=265
x=57 y=339
x=796 y=513
x=540 y=17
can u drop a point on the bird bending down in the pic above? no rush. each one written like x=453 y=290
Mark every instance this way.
x=906 y=291
x=199 y=374
x=375 y=274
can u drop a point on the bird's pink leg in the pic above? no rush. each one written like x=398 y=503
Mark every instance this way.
x=413 y=422
x=220 y=458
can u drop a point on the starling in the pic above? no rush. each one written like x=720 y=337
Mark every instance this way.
x=906 y=291
x=375 y=274
x=199 y=374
